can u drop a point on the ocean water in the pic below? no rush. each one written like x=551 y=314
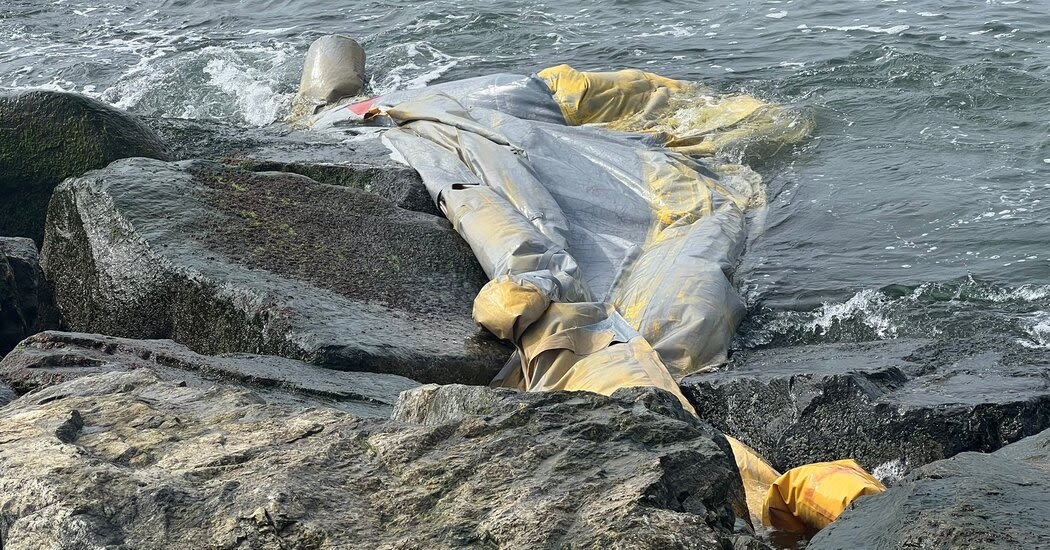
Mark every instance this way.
x=920 y=206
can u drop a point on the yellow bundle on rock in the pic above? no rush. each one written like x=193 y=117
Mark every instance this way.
x=810 y=497
x=757 y=476
x=609 y=234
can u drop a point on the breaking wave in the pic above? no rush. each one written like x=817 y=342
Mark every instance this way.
x=952 y=309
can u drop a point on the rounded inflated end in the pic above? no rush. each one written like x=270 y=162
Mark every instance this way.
x=334 y=69
x=506 y=308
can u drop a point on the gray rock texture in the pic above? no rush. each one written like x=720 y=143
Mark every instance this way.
x=226 y=260
x=51 y=358
x=7 y=394
x=128 y=460
x=46 y=137
x=26 y=302
x=362 y=162
x=910 y=401
x=969 y=501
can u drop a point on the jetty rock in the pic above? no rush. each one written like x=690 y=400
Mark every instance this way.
x=969 y=501
x=897 y=403
x=128 y=459
x=48 y=136
x=227 y=260
x=26 y=302
x=53 y=357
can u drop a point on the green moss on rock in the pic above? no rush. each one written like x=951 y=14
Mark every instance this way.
x=46 y=137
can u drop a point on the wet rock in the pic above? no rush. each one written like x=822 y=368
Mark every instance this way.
x=47 y=136
x=903 y=402
x=7 y=394
x=972 y=500
x=161 y=465
x=26 y=303
x=51 y=358
x=362 y=163
x=225 y=260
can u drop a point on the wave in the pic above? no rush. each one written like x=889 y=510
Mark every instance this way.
x=952 y=309
x=412 y=65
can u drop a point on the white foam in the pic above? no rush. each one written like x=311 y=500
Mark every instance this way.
x=777 y=15
x=257 y=102
x=867 y=28
x=890 y=472
x=865 y=306
x=676 y=30
x=869 y=308
x=1025 y=293
x=1038 y=330
x=424 y=64
x=280 y=30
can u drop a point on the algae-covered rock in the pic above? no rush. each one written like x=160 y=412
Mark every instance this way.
x=362 y=163
x=51 y=358
x=901 y=403
x=226 y=260
x=46 y=137
x=970 y=501
x=26 y=304
x=129 y=460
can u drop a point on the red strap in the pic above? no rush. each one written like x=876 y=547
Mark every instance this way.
x=362 y=107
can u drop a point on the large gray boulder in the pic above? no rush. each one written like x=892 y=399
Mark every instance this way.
x=26 y=304
x=127 y=460
x=969 y=501
x=227 y=260
x=900 y=403
x=48 y=136
x=51 y=358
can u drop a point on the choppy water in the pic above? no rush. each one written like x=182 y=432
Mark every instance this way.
x=919 y=208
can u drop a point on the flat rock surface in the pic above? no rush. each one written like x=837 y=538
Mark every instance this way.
x=128 y=460
x=26 y=303
x=969 y=501
x=899 y=403
x=227 y=260
x=51 y=358
x=47 y=136
x=359 y=162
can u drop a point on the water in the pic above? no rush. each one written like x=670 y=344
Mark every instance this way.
x=919 y=208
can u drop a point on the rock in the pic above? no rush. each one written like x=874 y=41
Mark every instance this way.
x=26 y=303
x=160 y=465
x=901 y=402
x=51 y=358
x=46 y=137
x=225 y=260
x=361 y=163
x=972 y=500
x=7 y=394
x=334 y=69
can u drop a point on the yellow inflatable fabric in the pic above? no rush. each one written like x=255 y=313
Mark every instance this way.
x=808 y=498
x=756 y=474
x=609 y=259
x=577 y=346
x=691 y=118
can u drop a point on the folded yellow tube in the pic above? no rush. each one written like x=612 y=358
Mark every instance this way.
x=587 y=346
